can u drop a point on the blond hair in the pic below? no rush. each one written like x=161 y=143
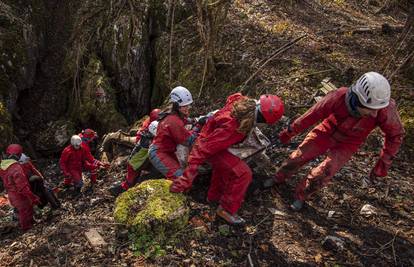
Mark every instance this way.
x=244 y=111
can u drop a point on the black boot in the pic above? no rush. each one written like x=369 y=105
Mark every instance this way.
x=76 y=192
x=116 y=190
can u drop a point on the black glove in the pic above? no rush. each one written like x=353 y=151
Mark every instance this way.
x=202 y=120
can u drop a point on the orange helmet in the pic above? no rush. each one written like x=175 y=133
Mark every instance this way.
x=154 y=114
x=271 y=107
x=14 y=149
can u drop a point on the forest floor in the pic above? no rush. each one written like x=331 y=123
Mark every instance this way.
x=274 y=235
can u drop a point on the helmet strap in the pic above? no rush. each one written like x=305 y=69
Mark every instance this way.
x=13 y=156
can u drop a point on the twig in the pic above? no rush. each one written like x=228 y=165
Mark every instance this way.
x=274 y=55
x=171 y=41
x=302 y=106
x=310 y=74
x=204 y=74
x=264 y=219
x=393 y=55
x=250 y=260
x=388 y=244
x=405 y=61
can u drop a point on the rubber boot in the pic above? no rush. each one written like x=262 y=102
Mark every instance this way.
x=116 y=190
x=232 y=219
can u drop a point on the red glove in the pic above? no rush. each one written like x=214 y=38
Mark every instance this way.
x=285 y=136
x=380 y=170
x=181 y=184
x=104 y=165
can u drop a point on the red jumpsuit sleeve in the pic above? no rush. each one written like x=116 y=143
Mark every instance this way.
x=180 y=134
x=317 y=112
x=394 y=132
x=88 y=156
x=63 y=162
x=222 y=137
x=34 y=170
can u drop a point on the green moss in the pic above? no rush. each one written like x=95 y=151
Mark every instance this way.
x=152 y=214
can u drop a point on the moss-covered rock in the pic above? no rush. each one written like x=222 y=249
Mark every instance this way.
x=98 y=102
x=152 y=215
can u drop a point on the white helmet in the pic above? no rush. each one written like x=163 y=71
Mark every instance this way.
x=76 y=141
x=373 y=90
x=152 y=128
x=181 y=95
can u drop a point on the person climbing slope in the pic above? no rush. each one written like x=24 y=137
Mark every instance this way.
x=348 y=116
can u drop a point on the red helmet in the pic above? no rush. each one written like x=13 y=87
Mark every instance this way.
x=14 y=149
x=154 y=114
x=88 y=135
x=271 y=107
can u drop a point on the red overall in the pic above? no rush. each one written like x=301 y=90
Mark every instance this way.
x=338 y=136
x=18 y=190
x=73 y=161
x=170 y=133
x=231 y=176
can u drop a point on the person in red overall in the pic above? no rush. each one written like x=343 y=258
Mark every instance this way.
x=88 y=136
x=75 y=158
x=231 y=176
x=133 y=173
x=17 y=186
x=37 y=182
x=348 y=116
x=171 y=132
x=138 y=159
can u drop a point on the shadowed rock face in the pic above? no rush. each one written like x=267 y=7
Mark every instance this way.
x=48 y=48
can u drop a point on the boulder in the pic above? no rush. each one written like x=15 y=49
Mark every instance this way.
x=55 y=137
x=152 y=216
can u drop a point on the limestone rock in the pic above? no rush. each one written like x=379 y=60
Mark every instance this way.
x=55 y=137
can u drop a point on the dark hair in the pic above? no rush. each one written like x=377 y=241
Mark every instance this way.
x=173 y=108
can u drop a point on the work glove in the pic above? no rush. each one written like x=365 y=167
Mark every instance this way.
x=285 y=135
x=381 y=167
x=104 y=165
x=202 y=120
x=181 y=184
